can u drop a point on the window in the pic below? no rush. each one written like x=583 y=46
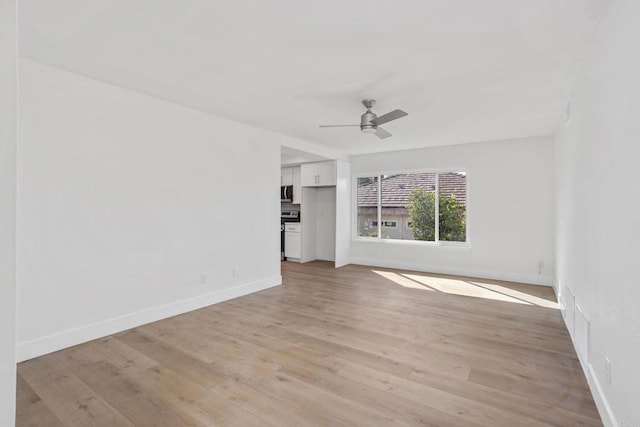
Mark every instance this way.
x=428 y=206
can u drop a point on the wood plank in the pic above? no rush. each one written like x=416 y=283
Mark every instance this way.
x=72 y=401
x=471 y=411
x=111 y=350
x=30 y=409
x=205 y=406
x=140 y=406
x=317 y=405
x=172 y=358
x=530 y=408
x=540 y=391
x=400 y=408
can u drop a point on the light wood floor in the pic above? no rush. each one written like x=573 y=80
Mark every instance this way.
x=355 y=346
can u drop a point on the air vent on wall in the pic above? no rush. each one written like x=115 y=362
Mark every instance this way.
x=568 y=305
x=581 y=336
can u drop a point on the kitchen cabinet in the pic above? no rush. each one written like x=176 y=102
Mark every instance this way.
x=292 y=240
x=297 y=189
x=321 y=174
x=286 y=176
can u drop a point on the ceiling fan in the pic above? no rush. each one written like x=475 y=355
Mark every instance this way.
x=370 y=122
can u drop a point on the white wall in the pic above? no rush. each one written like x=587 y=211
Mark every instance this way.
x=124 y=200
x=7 y=210
x=326 y=223
x=343 y=213
x=598 y=208
x=308 y=214
x=510 y=211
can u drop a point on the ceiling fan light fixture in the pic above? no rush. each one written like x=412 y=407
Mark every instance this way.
x=368 y=129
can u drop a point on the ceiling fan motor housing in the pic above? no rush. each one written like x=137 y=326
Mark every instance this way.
x=366 y=125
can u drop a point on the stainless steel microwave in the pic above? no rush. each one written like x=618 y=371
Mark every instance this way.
x=286 y=193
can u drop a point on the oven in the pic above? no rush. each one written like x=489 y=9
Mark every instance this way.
x=286 y=216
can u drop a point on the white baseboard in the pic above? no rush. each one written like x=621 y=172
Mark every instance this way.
x=602 y=403
x=54 y=342
x=509 y=277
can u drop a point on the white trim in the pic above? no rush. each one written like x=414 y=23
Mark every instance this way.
x=37 y=347
x=604 y=409
x=492 y=275
x=390 y=241
x=357 y=175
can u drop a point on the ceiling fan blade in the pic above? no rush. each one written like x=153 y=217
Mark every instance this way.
x=336 y=126
x=392 y=115
x=381 y=133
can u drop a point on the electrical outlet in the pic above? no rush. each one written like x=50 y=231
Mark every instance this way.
x=540 y=266
x=235 y=272
x=203 y=278
x=607 y=369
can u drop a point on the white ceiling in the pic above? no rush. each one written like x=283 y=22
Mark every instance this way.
x=292 y=157
x=464 y=70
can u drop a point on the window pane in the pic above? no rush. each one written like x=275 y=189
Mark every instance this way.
x=368 y=206
x=408 y=206
x=452 y=206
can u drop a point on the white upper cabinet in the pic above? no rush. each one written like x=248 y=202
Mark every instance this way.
x=286 y=176
x=322 y=174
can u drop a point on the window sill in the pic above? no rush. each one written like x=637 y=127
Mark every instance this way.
x=464 y=245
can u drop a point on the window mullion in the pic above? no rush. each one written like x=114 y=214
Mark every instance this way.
x=379 y=206
x=437 y=207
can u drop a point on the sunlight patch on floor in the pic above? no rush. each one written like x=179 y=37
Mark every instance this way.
x=461 y=287
x=520 y=295
x=491 y=291
x=402 y=281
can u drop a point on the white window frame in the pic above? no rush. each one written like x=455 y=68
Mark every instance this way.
x=379 y=239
